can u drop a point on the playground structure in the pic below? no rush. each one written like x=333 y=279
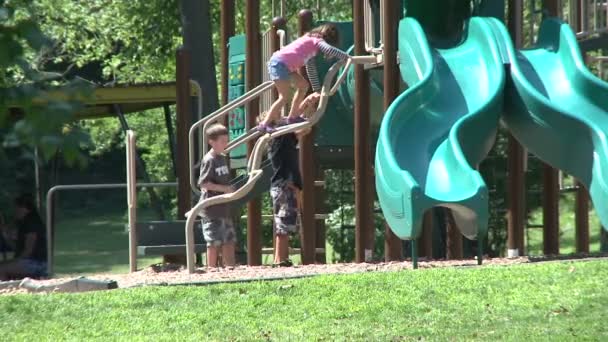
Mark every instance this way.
x=422 y=164
x=437 y=66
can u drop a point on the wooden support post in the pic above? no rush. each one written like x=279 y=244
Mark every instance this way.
x=426 y=240
x=307 y=167
x=321 y=208
x=550 y=180
x=184 y=119
x=603 y=240
x=278 y=23
x=453 y=237
x=252 y=79
x=227 y=31
x=553 y=7
x=582 y=219
x=363 y=197
x=550 y=211
x=392 y=244
x=516 y=196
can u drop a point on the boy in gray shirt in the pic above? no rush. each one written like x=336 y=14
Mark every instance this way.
x=214 y=180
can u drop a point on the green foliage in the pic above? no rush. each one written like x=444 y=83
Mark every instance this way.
x=563 y=300
x=32 y=116
x=133 y=40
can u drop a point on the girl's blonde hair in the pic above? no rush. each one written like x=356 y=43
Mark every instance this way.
x=328 y=32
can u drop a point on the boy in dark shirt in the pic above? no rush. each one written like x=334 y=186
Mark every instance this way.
x=286 y=184
x=214 y=180
x=30 y=246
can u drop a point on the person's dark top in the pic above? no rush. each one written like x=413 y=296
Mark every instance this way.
x=214 y=169
x=283 y=154
x=31 y=223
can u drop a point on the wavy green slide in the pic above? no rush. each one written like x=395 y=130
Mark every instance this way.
x=435 y=133
x=558 y=109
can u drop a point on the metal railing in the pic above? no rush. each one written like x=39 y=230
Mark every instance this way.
x=261 y=144
x=587 y=17
x=50 y=209
x=216 y=116
x=267 y=52
x=132 y=198
x=600 y=64
x=370 y=27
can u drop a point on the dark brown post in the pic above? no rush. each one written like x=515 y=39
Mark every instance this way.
x=581 y=213
x=252 y=79
x=550 y=180
x=425 y=243
x=550 y=210
x=553 y=7
x=320 y=198
x=278 y=23
x=363 y=199
x=392 y=244
x=603 y=240
x=453 y=237
x=227 y=31
x=516 y=197
x=184 y=120
x=307 y=167
x=582 y=219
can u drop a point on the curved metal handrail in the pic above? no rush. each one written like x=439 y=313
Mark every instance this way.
x=258 y=152
x=247 y=97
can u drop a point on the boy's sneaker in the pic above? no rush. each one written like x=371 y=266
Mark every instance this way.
x=264 y=128
x=284 y=263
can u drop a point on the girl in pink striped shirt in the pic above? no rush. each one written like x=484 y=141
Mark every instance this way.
x=284 y=66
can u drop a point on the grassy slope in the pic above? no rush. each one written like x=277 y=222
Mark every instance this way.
x=560 y=300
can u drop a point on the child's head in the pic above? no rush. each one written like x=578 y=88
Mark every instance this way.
x=329 y=33
x=217 y=136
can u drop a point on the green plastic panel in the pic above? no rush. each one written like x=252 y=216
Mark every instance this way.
x=236 y=73
x=437 y=131
x=237 y=118
x=336 y=126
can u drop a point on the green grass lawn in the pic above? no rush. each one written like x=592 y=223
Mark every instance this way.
x=94 y=241
x=545 y=301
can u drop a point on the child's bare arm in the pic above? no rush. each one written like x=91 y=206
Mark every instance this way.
x=310 y=100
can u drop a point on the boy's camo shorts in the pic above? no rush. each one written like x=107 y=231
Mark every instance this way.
x=285 y=209
x=218 y=231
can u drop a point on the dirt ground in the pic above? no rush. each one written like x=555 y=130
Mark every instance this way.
x=169 y=274
x=174 y=274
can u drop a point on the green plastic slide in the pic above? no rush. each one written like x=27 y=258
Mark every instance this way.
x=435 y=133
x=558 y=109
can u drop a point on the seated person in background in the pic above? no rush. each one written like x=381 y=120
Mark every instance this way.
x=30 y=244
